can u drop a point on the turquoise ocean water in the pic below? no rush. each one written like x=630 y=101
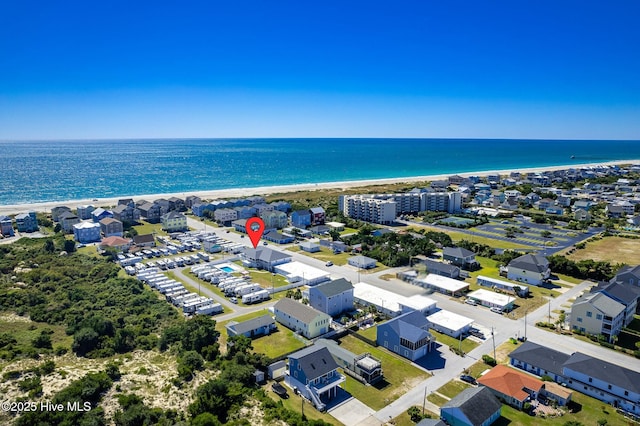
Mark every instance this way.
x=40 y=171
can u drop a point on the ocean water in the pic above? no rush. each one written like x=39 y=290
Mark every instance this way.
x=40 y=171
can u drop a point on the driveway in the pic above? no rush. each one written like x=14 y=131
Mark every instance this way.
x=352 y=412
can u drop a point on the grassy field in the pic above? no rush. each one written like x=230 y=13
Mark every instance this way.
x=587 y=411
x=467 y=344
x=611 y=249
x=277 y=343
x=404 y=419
x=437 y=399
x=266 y=279
x=399 y=376
x=149 y=228
x=457 y=236
x=369 y=333
x=453 y=388
x=325 y=255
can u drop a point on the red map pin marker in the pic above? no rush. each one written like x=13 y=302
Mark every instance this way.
x=255 y=229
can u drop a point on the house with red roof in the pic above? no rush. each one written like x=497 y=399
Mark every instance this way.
x=512 y=386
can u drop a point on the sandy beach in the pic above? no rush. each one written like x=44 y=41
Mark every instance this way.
x=267 y=190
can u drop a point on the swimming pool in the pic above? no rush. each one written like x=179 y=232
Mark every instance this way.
x=227 y=269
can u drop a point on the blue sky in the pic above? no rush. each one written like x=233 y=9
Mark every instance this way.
x=458 y=69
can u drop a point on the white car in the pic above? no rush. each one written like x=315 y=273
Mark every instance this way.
x=496 y=310
x=470 y=302
x=329 y=263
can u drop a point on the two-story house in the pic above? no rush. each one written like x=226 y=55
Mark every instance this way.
x=333 y=297
x=529 y=268
x=314 y=374
x=300 y=318
x=407 y=335
x=6 y=226
x=67 y=220
x=111 y=227
x=126 y=213
x=86 y=232
x=151 y=212
x=459 y=256
x=98 y=214
x=27 y=222
x=174 y=222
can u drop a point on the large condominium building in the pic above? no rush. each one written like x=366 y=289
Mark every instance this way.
x=369 y=209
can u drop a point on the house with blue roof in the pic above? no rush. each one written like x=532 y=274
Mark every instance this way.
x=98 y=214
x=314 y=374
x=199 y=209
x=407 y=335
x=245 y=212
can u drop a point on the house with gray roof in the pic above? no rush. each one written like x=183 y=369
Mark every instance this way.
x=597 y=314
x=459 y=256
x=314 y=373
x=6 y=226
x=67 y=220
x=629 y=275
x=539 y=360
x=300 y=318
x=152 y=212
x=472 y=407
x=529 y=268
x=407 y=335
x=442 y=269
x=333 y=297
x=363 y=367
x=260 y=326
x=264 y=258
x=362 y=262
x=607 y=382
x=622 y=293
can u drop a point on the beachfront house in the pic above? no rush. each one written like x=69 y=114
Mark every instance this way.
x=151 y=212
x=57 y=211
x=84 y=212
x=126 y=213
x=27 y=222
x=6 y=226
x=98 y=214
x=67 y=220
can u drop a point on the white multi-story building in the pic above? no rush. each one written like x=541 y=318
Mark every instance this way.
x=369 y=209
x=225 y=215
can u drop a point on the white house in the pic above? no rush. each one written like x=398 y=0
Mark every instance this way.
x=529 y=268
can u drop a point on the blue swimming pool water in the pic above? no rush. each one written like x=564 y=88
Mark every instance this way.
x=227 y=269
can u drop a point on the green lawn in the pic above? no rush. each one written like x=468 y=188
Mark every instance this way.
x=266 y=279
x=437 y=399
x=404 y=419
x=369 y=333
x=325 y=255
x=149 y=228
x=277 y=343
x=587 y=411
x=348 y=231
x=467 y=344
x=295 y=403
x=399 y=376
x=453 y=388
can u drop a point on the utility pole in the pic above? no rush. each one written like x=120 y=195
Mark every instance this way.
x=549 y=310
x=424 y=400
x=525 y=324
x=493 y=337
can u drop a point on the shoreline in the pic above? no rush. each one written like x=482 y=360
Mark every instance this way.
x=269 y=190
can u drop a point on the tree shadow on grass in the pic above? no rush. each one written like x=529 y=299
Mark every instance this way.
x=502 y=421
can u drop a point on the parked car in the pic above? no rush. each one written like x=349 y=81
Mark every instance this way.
x=329 y=263
x=496 y=310
x=279 y=390
x=469 y=379
x=470 y=302
x=234 y=300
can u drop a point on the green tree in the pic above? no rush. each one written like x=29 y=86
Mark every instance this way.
x=49 y=247
x=42 y=340
x=84 y=341
x=69 y=246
